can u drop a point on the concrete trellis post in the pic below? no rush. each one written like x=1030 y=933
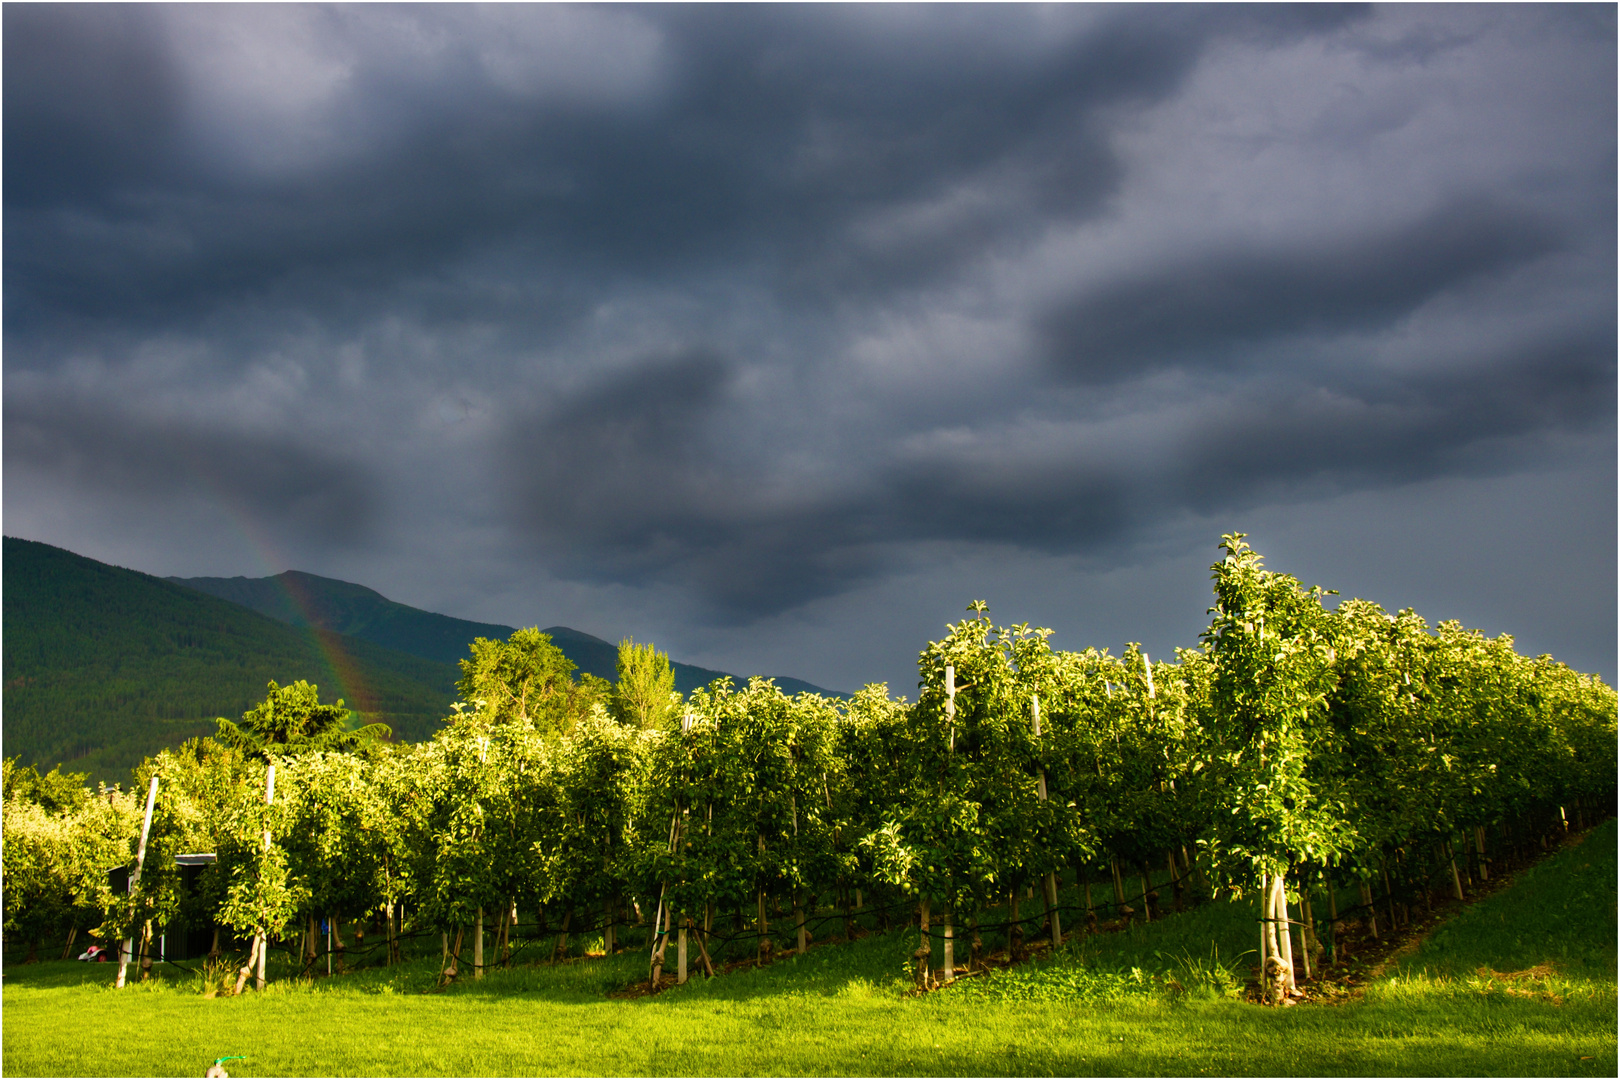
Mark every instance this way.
x=269 y=800
x=135 y=878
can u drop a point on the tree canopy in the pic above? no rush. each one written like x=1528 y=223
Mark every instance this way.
x=292 y=720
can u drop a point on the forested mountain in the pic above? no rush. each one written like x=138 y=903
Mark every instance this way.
x=302 y=599
x=103 y=665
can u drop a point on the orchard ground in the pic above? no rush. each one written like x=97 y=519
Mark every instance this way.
x=1519 y=983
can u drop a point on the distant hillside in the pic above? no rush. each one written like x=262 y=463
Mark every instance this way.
x=103 y=665
x=301 y=599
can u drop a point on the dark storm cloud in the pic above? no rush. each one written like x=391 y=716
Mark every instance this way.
x=746 y=306
x=1203 y=310
x=638 y=479
x=91 y=104
x=279 y=484
x=778 y=137
x=632 y=460
x=1282 y=441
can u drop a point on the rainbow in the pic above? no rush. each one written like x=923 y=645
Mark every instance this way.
x=351 y=688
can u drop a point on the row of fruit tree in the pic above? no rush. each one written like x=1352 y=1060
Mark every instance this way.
x=1300 y=746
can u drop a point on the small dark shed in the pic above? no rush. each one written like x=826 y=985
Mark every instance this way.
x=189 y=943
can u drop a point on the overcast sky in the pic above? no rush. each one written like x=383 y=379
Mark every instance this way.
x=776 y=335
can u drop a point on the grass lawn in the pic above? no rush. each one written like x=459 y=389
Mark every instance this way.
x=1521 y=983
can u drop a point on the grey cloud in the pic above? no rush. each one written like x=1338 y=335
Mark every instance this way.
x=762 y=316
x=1284 y=441
x=630 y=460
x=91 y=104
x=282 y=486
x=635 y=479
x=1200 y=311
x=781 y=138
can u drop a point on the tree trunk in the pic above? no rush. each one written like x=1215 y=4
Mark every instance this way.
x=760 y=929
x=247 y=967
x=950 y=948
x=1051 y=894
x=976 y=952
x=607 y=931
x=561 y=949
x=1333 y=922
x=1285 y=934
x=1268 y=949
x=1479 y=848
x=1389 y=896
x=1313 y=945
x=264 y=947
x=925 y=949
x=703 y=950
x=680 y=954
x=67 y=950
x=1456 y=881
x=1304 y=939
x=1119 y=884
x=337 y=939
x=662 y=934
x=478 y=945
x=1015 y=929
x=1147 y=908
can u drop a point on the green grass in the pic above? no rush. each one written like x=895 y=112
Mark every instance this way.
x=1552 y=934
x=842 y=1009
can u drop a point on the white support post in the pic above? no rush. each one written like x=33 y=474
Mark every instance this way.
x=269 y=800
x=127 y=953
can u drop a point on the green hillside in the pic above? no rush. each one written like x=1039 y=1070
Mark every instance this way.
x=103 y=665
x=301 y=599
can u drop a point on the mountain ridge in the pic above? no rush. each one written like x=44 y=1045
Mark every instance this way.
x=299 y=598
x=104 y=665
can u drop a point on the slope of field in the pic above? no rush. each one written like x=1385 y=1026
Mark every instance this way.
x=842 y=1009
x=103 y=665
x=301 y=599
